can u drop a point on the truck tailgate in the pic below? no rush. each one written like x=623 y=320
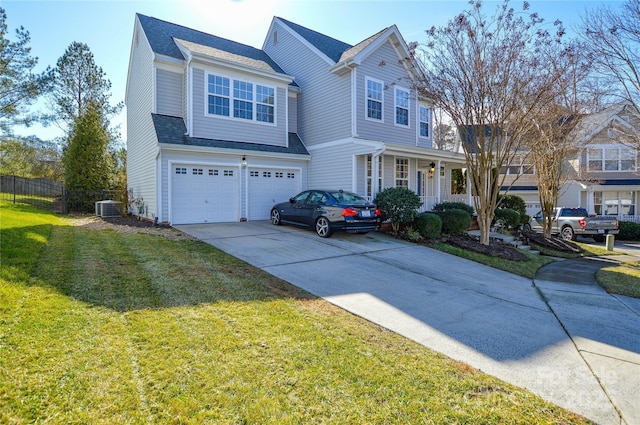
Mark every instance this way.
x=601 y=222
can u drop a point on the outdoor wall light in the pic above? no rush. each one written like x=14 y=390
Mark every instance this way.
x=432 y=167
x=244 y=161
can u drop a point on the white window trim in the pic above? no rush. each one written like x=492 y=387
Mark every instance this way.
x=429 y=122
x=366 y=99
x=395 y=106
x=603 y=158
x=231 y=99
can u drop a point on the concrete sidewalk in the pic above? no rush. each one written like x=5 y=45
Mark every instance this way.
x=572 y=344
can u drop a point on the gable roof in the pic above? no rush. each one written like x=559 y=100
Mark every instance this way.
x=592 y=124
x=353 y=51
x=161 y=36
x=225 y=55
x=329 y=46
x=171 y=130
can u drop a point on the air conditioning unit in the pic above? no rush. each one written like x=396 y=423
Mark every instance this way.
x=108 y=208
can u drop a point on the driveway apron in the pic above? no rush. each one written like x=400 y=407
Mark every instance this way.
x=500 y=323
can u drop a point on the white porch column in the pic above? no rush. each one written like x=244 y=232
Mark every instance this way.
x=438 y=183
x=590 y=201
x=375 y=172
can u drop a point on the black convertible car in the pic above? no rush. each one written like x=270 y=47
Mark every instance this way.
x=328 y=211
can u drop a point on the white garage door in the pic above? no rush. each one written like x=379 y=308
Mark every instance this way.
x=269 y=186
x=204 y=194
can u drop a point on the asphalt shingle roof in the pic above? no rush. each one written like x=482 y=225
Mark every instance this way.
x=171 y=130
x=161 y=36
x=329 y=46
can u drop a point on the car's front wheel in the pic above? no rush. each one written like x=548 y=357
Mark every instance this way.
x=275 y=217
x=323 y=227
x=568 y=234
x=526 y=227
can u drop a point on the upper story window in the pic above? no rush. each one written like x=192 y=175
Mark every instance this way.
x=265 y=101
x=218 y=95
x=402 y=107
x=242 y=100
x=611 y=158
x=518 y=168
x=402 y=172
x=374 y=99
x=250 y=101
x=424 y=118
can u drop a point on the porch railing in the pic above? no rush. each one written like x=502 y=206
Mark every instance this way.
x=626 y=217
x=428 y=202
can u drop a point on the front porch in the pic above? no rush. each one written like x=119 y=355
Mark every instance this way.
x=435 y=178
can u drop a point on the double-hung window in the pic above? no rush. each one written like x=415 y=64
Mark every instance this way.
x=247 y=101
x=218 y=95
x=242 y=100
x=611 y=158
x=374 y=99
x=424 y=118
x=402 y=107
x=265 y=97
x=402 y=172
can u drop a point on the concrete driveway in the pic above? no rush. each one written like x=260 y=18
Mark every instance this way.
x=505 y=325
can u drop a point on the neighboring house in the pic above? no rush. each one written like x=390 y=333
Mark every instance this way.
x=603 y=170
x=219 y=131
x=608 y=182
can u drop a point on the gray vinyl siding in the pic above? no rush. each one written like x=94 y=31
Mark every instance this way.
x=185 y=96
x=169 y=96
x=383 y=65
x=141 y=137
x=235 y=129
x=293 y=114
x=332 y=167
x=324 y=103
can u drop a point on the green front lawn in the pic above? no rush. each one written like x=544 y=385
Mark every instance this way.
x=623 y=279
x=104 y=327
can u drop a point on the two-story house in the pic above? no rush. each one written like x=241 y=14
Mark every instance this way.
x=606 y=165
x=602 y=171
x=219 y=131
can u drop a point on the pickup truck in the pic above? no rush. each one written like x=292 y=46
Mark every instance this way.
x=571 y=222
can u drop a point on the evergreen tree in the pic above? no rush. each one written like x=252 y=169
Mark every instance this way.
x=88 y=165
x=19 y=86
x=78 y=82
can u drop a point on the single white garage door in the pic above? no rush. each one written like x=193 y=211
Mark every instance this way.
x=268 y=187
x=204 y=194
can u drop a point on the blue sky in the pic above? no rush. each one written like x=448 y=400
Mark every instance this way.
x=106 y=26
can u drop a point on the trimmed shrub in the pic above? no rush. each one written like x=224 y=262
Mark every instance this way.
x=445 y=206
x=398 y=205
x=428 y=224
x=510 y=217
x=524 y=219
x=629 y=231
x=516 y=203
x=455 y=221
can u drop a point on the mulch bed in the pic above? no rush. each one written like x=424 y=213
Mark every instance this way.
x=129 y=224
x=494 y=249
x=554 y=242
